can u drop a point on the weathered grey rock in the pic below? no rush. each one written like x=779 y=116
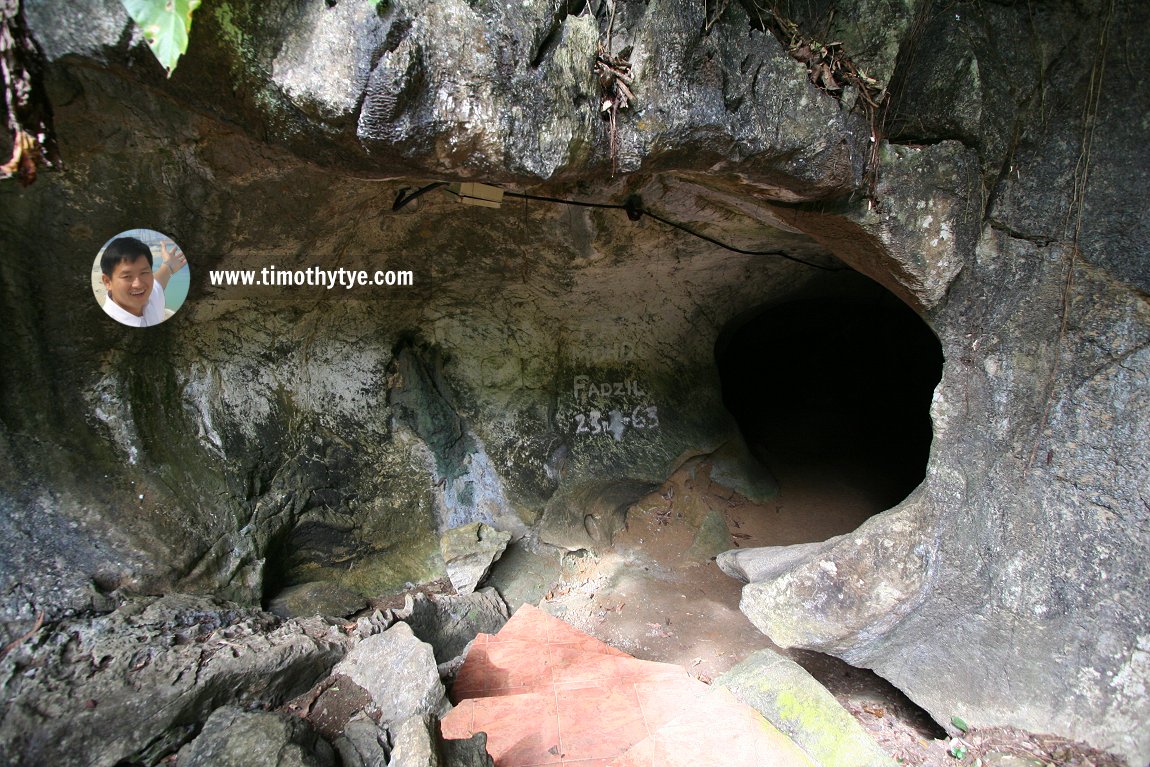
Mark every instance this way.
x=712 y=539
x=376 y=623
x=449 y=623
x=976 y=549
x=233 y=737
x=275 y=433
x=98 y=691
x=762 y=563
x=733 y=466
x=469 y=552
x=792 y=700
x=416 y=743
x=469 y=752
x=347 y=38
x=399 y=673
x=316 y=598
x=362 y=743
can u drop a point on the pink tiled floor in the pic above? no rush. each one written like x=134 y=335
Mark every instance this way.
x=547 y=694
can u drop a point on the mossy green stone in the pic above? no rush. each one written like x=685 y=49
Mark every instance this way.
x=712 y=539
x=791 y=699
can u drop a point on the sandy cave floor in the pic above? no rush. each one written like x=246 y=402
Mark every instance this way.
x=654 y=597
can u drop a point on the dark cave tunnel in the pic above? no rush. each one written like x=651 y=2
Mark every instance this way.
x=836 y=379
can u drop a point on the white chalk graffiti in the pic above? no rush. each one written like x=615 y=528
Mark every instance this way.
x=620 y=396
x=616 y=423
x=584 y=389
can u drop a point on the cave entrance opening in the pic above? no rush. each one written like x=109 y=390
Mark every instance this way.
x=831 y=387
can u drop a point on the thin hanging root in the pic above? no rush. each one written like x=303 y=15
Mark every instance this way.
x=710 y=22
x=23 y=638
x=614 y=73
x=1077 y=206
x=831 y=70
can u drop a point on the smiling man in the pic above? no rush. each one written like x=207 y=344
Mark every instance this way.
x=135 y=292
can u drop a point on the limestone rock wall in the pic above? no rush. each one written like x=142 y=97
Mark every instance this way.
x=1019 y=564
x=264 y=436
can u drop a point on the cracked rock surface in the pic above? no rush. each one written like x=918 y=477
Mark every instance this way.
x=552 y=363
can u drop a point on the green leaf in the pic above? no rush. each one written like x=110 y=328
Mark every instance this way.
x=959 y=723
x=165 y=24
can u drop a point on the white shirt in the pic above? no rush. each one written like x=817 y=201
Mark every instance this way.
x=153 y=311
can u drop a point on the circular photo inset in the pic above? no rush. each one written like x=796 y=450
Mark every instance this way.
x=140 y=277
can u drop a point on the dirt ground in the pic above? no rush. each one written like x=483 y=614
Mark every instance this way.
x=658 y=595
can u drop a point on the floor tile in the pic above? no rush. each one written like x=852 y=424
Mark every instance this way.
x=664 y=700
x=532 y=624
x=716 y=730
x=516 y=664
x=459 y=722
x=635 y=669
x=571 y=665
x=599 y=722
x=521 y=730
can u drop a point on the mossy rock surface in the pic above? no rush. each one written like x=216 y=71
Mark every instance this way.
x=791 y=699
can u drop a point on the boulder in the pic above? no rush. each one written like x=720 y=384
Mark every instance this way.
x=418 y=744
x=316 y=598
x=448 y=623
x=126 y=685
x=763 y=562
x=233 y=737
x=399 y=672
x=712 y=539
x=469 y=552
x=362 y=743
x=733 y=466
x=467 y=752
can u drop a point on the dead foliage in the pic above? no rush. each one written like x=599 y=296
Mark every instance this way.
x=29 y=116
x=829 y=68
x=614 y=73
x=1049 y=749
x=23 y=637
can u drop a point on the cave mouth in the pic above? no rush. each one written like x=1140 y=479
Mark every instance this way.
x=835 y=382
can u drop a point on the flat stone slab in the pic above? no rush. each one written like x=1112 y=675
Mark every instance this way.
x=792 y=700
x=469 y=552
x=765 y=562
x=712 y=539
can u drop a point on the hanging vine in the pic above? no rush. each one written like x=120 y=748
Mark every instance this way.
x=29 y=115
x=829 y=68
x=615 y=82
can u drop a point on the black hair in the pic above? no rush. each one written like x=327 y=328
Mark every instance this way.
x=123 y=249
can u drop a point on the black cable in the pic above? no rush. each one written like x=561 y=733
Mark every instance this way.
x=635 y=210
x=580 y=203
x=403 y=197
x=733 y=249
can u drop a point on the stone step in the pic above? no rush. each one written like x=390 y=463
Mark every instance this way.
x=715 y=730
x=547 y=694
x=534 y=651
x=529 y=623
